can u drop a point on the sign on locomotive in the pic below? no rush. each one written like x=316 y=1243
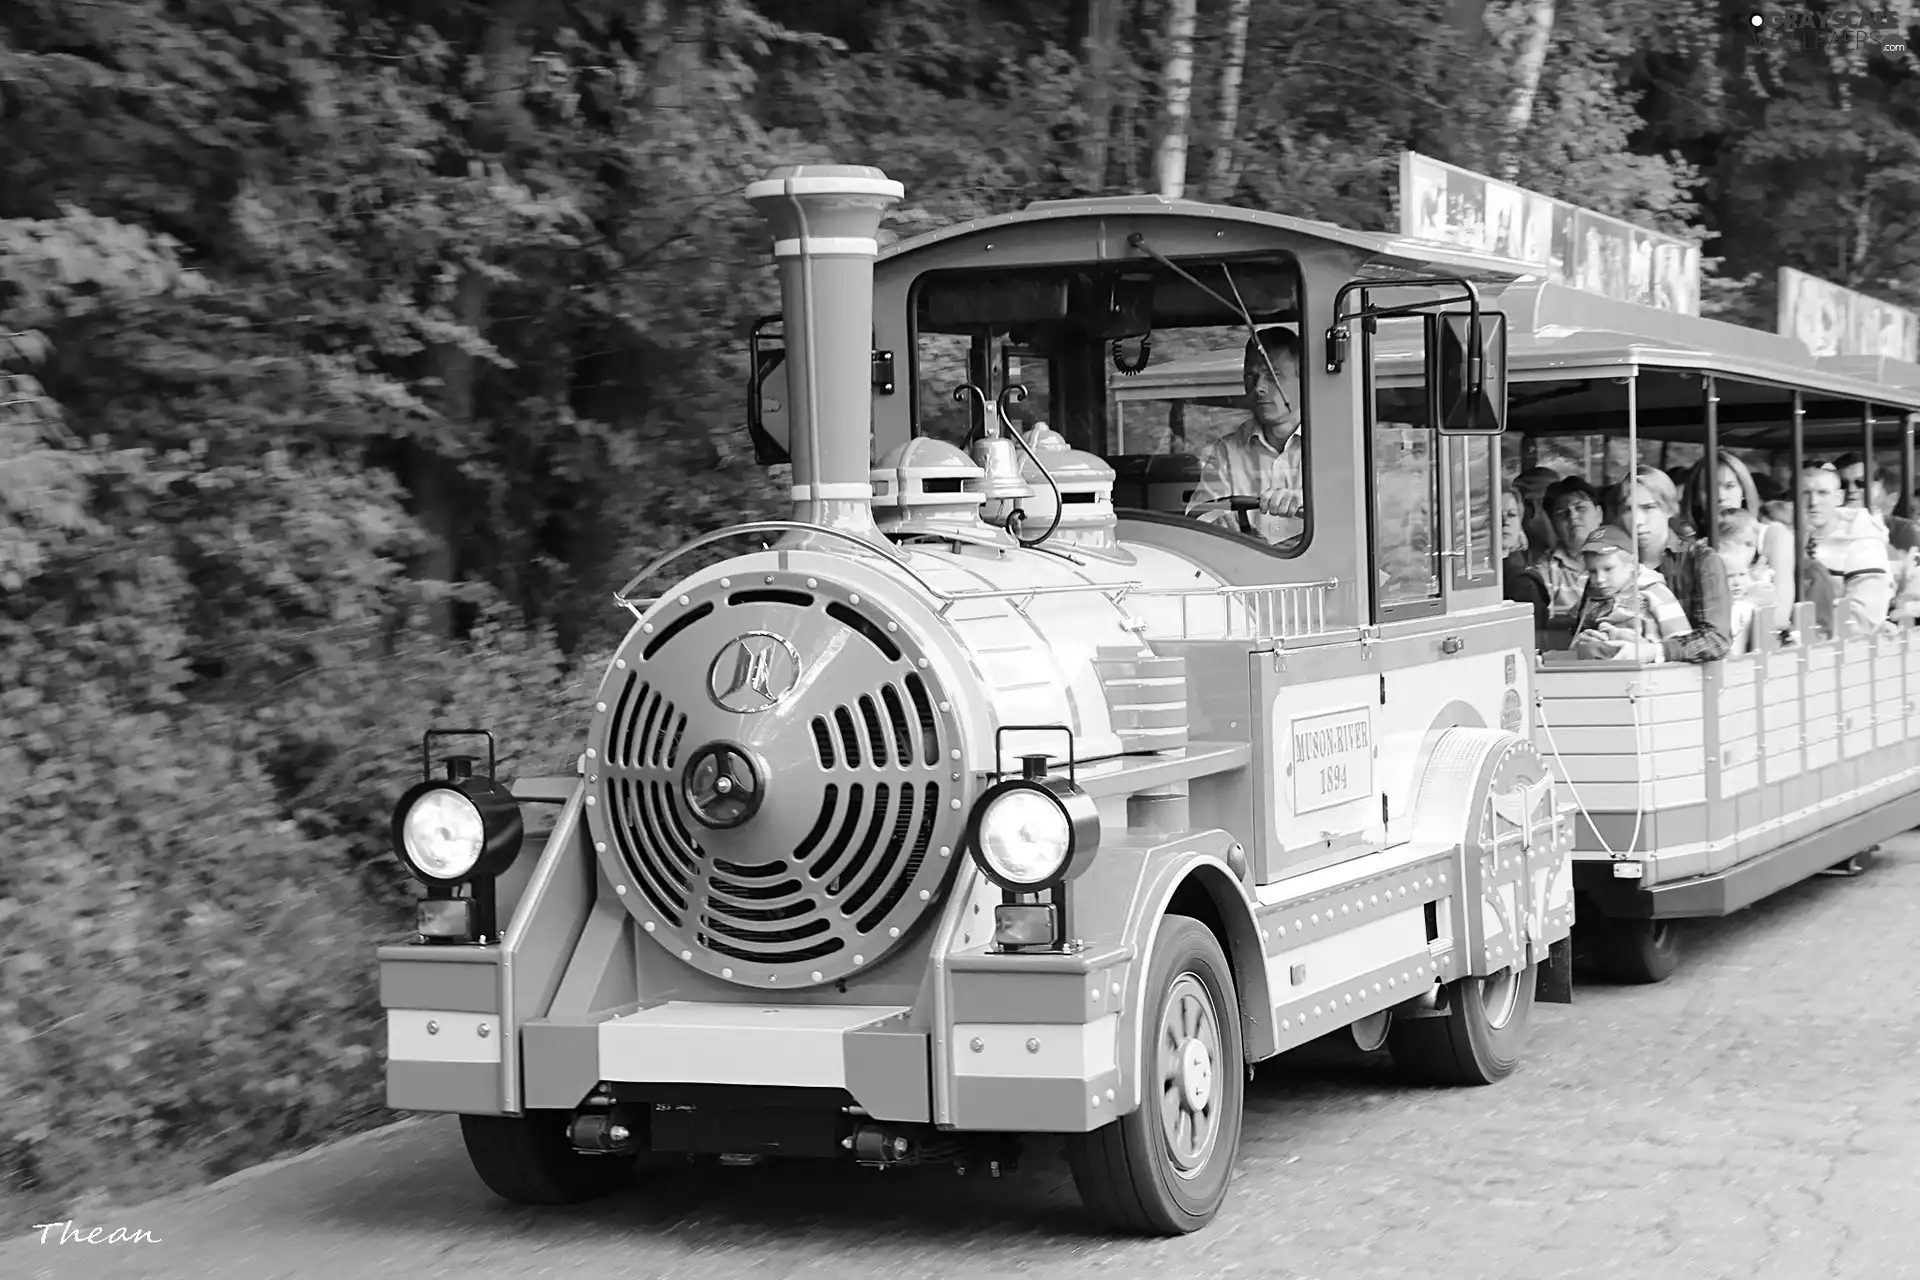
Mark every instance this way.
x=1021 y=783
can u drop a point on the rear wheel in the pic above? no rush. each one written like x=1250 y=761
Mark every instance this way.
x=1164 y=1168
x=1478 y=1039
x=528 y=1159
x=1637 y=951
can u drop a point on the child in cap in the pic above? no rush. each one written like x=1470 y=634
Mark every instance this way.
x=1625 y=603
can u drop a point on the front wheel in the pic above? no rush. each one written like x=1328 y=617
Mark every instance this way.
x=1479 y=1036
x=1164 y=1168
x=528 y=1159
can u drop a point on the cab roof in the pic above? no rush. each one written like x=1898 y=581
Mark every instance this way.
x=1385 y=255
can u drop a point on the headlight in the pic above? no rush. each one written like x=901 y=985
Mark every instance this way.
x=450 y=832
x=1029 y=834
x=443 y=834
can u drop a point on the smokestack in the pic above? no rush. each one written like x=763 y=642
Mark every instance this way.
x=824 y=219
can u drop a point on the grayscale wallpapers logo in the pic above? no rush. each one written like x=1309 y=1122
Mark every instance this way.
x=1804 y=28
x=752 y=673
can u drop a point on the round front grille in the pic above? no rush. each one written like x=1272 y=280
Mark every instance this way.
x=831 y=735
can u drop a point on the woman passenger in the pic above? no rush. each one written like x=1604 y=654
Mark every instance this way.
x=1737 y=492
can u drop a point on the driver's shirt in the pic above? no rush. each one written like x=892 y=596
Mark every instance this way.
x=1246 y=464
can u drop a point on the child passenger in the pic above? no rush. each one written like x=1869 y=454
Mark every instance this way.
x=1749 y=583
x=1627 y=608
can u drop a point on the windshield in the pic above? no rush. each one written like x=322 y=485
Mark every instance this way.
x=1146 y=365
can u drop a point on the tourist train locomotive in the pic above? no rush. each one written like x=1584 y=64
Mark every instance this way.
x=961 y=805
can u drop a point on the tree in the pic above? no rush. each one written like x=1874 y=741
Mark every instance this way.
x=1177 y=91
x=1223 y=171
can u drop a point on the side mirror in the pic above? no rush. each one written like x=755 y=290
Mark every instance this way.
x=767 y=392
x=1472 y=374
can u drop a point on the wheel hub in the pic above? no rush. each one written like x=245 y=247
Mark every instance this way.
x=1196 y=1075
x=1499 y=994
x=1189 y=1101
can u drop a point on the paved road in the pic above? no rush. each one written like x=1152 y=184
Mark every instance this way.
x=1757 y=1116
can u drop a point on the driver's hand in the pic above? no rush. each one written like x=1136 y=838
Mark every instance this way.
x=1279 y=501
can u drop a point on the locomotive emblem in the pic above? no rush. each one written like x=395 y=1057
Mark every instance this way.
x=721 y=786
x=753 y=673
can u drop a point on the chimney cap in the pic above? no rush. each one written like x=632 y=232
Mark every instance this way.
x=825 y=179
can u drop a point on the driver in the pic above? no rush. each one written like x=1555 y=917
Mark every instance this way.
x=1263 y=458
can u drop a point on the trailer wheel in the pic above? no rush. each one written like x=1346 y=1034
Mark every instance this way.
x=1639 y=951
x=1478 y=1039
x=527 y=1159
x=1164 y=1168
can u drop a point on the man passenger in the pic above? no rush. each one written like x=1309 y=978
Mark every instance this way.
x=1690 y=569
x=1263 y=459
x=1846 y=557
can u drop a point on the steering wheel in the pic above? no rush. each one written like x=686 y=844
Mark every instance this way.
x=1238 y=503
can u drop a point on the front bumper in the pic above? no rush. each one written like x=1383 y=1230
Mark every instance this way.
x=1054 y=1069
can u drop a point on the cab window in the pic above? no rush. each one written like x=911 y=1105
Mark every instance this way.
x=1137 y=364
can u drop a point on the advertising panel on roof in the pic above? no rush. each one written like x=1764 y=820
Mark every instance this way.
x=1833 y=320
x=1443 y=204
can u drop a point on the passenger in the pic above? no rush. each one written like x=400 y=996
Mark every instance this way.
x=1263 y=458
x=1739 y=550
x=1515 y=582
x=1532 y=485
x=1736 y=491
x=1572 y=508
x=1627 y=613
x=1847 y=557
x=1903 y=542
x=1778 y=511
x=1648 y=503
x=1852 y=469
x=1903 y=534
x=1513 y=510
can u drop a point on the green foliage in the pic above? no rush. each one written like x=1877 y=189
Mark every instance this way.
x=331 y=329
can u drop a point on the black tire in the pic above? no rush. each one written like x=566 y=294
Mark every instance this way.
x=1478 y=1040
x=1637 y=951
x=527 y=1159
x=1127 y=1172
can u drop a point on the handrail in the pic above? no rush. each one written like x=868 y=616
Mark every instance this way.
x=947 y=599
x=1324 y=584
x=622 y=596
x=1277 y=611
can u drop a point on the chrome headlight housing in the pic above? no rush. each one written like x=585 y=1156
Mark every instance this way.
x=1028 y=835
x=451 y=832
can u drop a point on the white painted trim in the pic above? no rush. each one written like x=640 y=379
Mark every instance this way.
x=1336 y=961
x=825 y=185
x=1065 y=1052
x=848 y=246
x=456 y=1038
x=848 y=490
x=802 y=1046
x=1710 y=847
x=1364 y=867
